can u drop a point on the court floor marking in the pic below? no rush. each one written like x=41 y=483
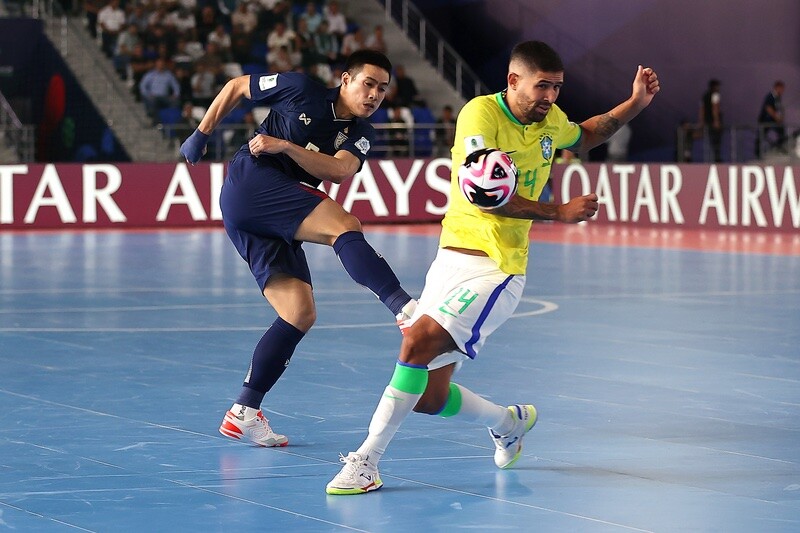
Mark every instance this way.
x=306 y=457
x=44 y=517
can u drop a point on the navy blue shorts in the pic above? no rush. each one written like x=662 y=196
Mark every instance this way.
x=261 y=210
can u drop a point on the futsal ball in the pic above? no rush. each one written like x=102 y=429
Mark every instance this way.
x=488 y=178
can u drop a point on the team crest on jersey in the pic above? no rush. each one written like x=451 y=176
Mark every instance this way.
x=363 y=145
x=546 y=143
x=340 y=139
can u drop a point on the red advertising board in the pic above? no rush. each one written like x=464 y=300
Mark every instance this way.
x=164 y=195
x=762 y=197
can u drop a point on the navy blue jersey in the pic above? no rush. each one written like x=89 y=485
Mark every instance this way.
x=302 y=112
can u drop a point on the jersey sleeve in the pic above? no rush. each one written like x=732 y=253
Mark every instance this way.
x=569 y=133
x=476 y=128
x=273 y=88
x=360 y=141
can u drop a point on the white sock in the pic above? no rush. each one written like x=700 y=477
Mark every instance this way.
x=482 y=411
x=393 y=407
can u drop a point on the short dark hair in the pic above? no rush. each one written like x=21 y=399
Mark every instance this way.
x=359 y=58
x=537 y=56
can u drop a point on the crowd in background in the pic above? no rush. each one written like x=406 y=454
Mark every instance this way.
x=177 y=54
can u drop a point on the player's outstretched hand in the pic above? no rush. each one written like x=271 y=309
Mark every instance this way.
x=194 y=146
x=645 y=85
x=578 y=209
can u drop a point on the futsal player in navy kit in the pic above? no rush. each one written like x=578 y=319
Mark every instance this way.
x=271 y=205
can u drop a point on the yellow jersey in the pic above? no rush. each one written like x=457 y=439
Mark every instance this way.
x=487 y=122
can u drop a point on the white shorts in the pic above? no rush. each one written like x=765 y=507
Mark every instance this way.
x=470 y=298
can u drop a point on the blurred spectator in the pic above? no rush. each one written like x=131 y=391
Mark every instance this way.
x=155 y=37
x=711 y=118
x=182 y=58
x=139 y=18
x=337 y=23
x=111 y=20
x=278 y=37
x=126 y=41
x=376 y=41
x=319 y=72
x=139 y=64
x=270 y=15
x=281 y=60
x=312 y=17
x=243 y=132
x=92 y=8
x=618 y=144
x=353 y=42
x=404 y=92
x=244 y=19
x=206 y=23
x=221 y=38
x=159 y=89
x=188 y=121
x=204 y=86
x=241 y=45
x=398 y=135
x=771 y=129
x=326 y=45
x=194 y=48
x=182 y=20
x=305 y=44
x=212 y=59
x=336 y=77
x=184 y=76
x=445 y=132
x=159 y=17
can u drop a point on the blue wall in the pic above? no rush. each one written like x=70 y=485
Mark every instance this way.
x=746 y=44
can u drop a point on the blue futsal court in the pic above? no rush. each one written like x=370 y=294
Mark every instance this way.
x=667 y=382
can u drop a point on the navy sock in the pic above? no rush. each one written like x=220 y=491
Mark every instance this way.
x=270 y=358
x=368 y=268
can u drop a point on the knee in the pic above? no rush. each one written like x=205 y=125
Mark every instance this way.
x=301 y=317
x=415 y=349
x=350 y=223
x=432 y=402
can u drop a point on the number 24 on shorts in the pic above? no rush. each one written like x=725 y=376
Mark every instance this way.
x=461 y=296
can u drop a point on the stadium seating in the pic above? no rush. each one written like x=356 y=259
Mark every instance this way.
x=423 y=137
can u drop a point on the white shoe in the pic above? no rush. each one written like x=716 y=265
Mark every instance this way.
x=509 y=447
x=405 y=315
x=255 y=429
x=357 y=476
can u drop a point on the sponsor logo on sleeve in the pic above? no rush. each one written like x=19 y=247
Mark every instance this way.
x=267 y=82
x=473 y=143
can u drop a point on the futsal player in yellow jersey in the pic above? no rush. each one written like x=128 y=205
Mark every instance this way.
x=478 y=276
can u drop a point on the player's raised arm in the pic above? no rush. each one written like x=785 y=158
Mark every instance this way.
x=228 y=98
x=600 y=128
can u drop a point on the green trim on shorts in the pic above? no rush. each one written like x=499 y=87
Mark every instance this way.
x=409 y=379
x=453 y=404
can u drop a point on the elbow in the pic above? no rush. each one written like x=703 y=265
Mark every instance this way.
x=340 y=176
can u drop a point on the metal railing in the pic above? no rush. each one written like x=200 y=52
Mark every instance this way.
x=391 y=140
x=434 y=48
x=17 y=136
x=738 y=144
